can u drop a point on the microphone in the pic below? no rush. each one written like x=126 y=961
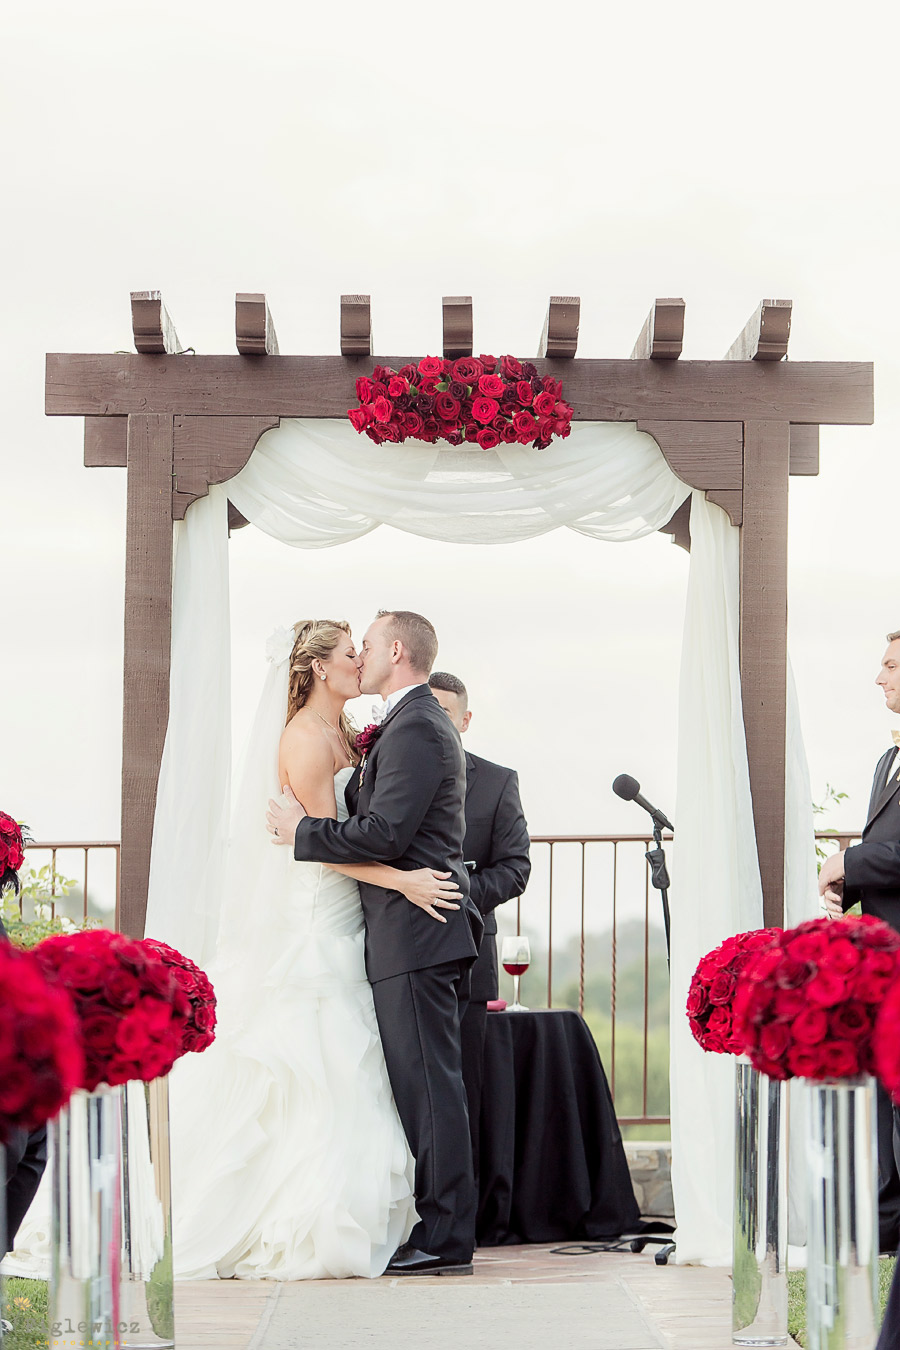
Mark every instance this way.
x=629 y=789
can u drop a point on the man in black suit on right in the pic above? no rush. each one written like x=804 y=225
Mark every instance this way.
x=870 y=873
x=497 y=842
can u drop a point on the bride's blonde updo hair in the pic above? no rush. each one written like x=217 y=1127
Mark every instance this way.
x=314 y=640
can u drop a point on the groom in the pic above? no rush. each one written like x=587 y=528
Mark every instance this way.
x=407 y=807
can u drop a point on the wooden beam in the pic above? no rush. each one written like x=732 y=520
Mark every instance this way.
x=254 y=331
x=765 y=334
x=154 y=332
x=764 y=535
x=599 y=390
x=148 y=628
x=457 y=315
x=804 y=449
x=559 y=338
x=211 y=450
x=356 y=325
x=105 y=442
x=731 y=501
x=235 y=520
x=703 y=454
x=662 y=335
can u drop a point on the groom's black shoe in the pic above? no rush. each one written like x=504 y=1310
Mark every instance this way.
x=408 y=1260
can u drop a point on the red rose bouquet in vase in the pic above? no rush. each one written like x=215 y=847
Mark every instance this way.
x=807 y=1007
x=760 y=1304
x=132 y=1014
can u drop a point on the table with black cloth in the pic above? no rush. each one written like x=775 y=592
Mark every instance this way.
x=553 y=1167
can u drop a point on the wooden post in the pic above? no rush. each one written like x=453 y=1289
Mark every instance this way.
x=148 y=626
x=764 y=532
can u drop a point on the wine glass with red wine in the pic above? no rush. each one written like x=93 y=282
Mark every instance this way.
x=515 y=956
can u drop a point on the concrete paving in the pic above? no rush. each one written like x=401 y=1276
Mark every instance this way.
x=526 y=1298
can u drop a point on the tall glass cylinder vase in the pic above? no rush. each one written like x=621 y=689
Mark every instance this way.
x=760 y=1209
x=842 y=1251
x=147 y=1293
x=86 y=1163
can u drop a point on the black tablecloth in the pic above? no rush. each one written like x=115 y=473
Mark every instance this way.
x=552 y=1163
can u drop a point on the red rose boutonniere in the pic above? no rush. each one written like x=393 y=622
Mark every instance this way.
x=464 y=400
x=365 y=739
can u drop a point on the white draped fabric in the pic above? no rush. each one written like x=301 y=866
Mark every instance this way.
x=314 y=483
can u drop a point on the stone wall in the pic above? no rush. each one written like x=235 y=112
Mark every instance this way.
x=650 y=1165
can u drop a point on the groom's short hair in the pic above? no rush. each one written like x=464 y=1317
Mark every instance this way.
x=416 y=634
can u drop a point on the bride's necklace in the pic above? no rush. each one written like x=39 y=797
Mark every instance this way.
x=340 y=735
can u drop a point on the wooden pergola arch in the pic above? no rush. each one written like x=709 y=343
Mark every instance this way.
x=178 y=421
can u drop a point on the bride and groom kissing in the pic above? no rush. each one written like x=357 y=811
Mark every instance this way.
x=337 y=1140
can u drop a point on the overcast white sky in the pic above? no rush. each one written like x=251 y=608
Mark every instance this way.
x=719 y=153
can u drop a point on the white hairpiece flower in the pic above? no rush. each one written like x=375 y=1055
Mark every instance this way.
x=279 y=645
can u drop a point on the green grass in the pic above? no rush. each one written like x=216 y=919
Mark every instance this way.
x=797 y=1296
x=25 y=1305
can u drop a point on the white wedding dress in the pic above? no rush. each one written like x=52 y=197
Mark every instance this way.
x=289 y=1161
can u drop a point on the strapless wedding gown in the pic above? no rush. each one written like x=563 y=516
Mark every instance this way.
x=289 y=1161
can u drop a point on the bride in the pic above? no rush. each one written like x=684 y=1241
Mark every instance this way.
x=288 y=1157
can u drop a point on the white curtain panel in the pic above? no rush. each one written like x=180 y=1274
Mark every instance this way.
x=716 y=884
x=315 y=483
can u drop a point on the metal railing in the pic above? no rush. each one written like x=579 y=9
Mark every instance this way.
x=586 y=892
x=584 y=889
x=95 y=886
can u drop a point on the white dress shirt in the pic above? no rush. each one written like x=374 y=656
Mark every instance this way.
x=394 y=698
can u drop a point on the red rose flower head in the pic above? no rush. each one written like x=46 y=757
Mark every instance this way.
x=807 y=1006
x=131 y=1009
x=12 y=853
x=199 y=1031
x=712 y=991
x=41 y=1060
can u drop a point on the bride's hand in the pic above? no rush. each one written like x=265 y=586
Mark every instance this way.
x=430 y=890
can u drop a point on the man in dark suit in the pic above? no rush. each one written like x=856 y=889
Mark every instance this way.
x=406 y=804
x=870 y=873
x=497 y=842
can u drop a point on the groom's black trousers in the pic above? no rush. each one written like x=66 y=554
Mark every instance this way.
x=418 y=1015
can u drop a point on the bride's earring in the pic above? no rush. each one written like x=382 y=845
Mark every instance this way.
x=323 y=676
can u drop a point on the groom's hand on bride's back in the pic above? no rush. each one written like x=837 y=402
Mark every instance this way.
x=282 y=818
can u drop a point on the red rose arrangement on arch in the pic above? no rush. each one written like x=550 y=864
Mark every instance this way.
x=711 y=994
x=41 y=1061
x=806 y=1006
x=200 y=1029
x=131 y=1009
x=475 y=398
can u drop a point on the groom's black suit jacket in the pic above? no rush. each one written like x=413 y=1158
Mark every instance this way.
x=872 y=868
x=408 y=811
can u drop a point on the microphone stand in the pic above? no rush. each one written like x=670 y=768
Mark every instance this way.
x=659 y=879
